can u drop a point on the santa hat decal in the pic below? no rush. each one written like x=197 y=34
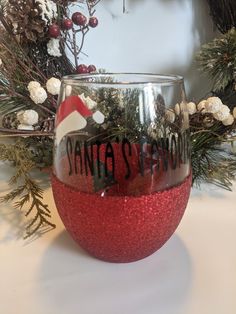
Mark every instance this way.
x=72 y=115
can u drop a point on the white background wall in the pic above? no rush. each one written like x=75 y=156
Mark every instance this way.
x=158 y=36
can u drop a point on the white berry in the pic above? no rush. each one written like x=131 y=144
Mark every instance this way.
x=53 y=47
x=202 y=106
x=38 y=95
x=32 y=85
x=229 y=120
x=28 y=117
x=213 y=104
x=191 y=107
x=234 y=112
x=222 y=114
x=53 y=86
x=25 y=127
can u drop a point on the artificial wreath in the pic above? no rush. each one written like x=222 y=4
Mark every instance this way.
x=35 y=38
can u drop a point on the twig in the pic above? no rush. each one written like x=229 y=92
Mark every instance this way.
x=75 y=47
x=19 y=133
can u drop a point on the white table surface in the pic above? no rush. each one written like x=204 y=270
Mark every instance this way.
x=194 y=273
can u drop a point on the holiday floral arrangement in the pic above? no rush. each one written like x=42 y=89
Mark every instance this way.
x=40 y=42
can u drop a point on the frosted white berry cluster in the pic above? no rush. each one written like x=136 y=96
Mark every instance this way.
x=28 y=118
x=39 y=95
x=211 y=105
x=53 y=47
x=48 y=10
x=220 y=111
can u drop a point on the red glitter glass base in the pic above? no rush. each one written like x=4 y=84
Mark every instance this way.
x=121 y=228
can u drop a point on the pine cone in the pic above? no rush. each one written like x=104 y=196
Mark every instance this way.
x=24 y=16
x=46 y=125
x=10 y=121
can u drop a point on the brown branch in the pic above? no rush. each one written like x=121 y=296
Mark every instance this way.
x=20 y=133
x=75 y=48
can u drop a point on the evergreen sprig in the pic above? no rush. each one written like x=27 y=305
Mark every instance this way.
x=211 y=162
x=27 y=191
x=223 y=13
x=218 y=60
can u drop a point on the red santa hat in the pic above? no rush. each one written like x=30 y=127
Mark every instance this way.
x=72 y=115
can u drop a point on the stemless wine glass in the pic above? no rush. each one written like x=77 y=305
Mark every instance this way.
x=122 y=174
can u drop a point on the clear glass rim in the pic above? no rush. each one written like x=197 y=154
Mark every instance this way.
x=145 y=79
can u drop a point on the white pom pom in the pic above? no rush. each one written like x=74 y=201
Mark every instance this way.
x=191 y=107
x=38 y=95
x=213 y=104
x=202 y=106
x=25 y=127
x=28 y=117
x=53 y=86
x=229 y=120
x=170 y=116
x=98 y=117
x=177 y=109
x=32 y=85
x=53 y=47
x=234 y=112
x=222 y=114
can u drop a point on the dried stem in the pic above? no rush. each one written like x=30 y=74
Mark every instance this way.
x=73 y=45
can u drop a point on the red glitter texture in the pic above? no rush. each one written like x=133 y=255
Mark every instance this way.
x=121 y=228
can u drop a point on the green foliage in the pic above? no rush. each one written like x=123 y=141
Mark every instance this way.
x=223 y=13
x=218 y=60
x=211 y=162
x=26 y=192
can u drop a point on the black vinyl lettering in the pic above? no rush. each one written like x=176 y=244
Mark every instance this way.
x=78 y=154
x=109 y=154
x=98 y=143
x=173 y=152
x=180 y=149
x=124 y=143
x=141 y=160
x=165 y=153
x=88 y=159
x=154 y=151
x=69 y=148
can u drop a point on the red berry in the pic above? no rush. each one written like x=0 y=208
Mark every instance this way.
x=67 y=24
x=93 y=21
x=91 y=68
x=54 y=31
x=81 y=69
x=79 y=19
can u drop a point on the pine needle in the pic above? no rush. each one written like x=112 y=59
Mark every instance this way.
x=28 y=191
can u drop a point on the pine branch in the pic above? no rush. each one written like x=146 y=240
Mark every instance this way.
x=223 y=13
x=218 y=60
x=28 y=191
x=211 y=163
